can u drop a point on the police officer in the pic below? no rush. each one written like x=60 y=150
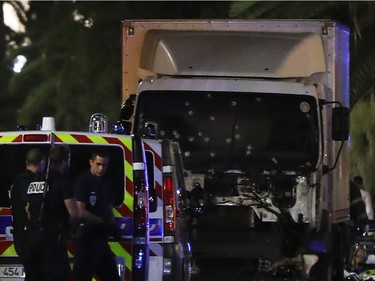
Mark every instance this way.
x=92 y=252
x=31 y=178
x=51 y=211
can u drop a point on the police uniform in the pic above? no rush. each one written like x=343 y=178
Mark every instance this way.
x=92 y=252
x=18 y=198
x=48 y=227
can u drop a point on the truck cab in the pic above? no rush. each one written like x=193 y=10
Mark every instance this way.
x=259 y=109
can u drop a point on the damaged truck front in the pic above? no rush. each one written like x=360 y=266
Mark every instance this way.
x=259 y=109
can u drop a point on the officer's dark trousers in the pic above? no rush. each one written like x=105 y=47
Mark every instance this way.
x=48 y=258
x=30 y=264
x=93 y=257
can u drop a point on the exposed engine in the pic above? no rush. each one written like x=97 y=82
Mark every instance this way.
x=266 y=192
x=264 y=216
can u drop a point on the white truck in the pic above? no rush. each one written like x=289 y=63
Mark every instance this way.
x=260 y=110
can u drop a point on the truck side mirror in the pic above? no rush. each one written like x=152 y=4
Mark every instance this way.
x=340 y=123
x=127 y=107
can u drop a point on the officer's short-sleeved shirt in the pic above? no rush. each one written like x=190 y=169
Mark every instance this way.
x=25 y=183
x=96 y=193
x=60 y=188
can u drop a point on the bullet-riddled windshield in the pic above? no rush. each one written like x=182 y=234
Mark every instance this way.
x=242 y=131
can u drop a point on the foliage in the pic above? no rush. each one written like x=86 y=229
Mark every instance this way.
x=66 y=77
x=9 y=40
x=363 y=142
x=74 y=59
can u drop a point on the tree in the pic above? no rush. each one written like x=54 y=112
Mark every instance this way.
x=74 y=59
x=68 y=75
x=9 y=41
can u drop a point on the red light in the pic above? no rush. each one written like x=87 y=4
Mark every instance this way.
x=35 y=138
x=169 y=204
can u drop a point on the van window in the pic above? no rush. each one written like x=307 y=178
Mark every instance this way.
x=80 y=155
x=13 y=163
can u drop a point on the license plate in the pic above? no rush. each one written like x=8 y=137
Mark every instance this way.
x=12 y=271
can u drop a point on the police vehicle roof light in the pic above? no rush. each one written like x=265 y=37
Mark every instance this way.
x=98 y=123
x=21 y=128
x=118 y=128
x=48 y=124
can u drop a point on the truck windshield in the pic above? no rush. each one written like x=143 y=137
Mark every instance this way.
x=235 y=131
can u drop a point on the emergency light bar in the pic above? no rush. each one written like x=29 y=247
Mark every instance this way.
x=98 y=123
x=48 y=124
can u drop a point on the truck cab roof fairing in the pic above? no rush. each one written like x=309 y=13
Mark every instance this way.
x=206 y=53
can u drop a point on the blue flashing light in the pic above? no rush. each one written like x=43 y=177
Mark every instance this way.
x=139 y=259
x=118 y=128
x=318 y=246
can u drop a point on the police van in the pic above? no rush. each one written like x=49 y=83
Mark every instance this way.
x=149 y=195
